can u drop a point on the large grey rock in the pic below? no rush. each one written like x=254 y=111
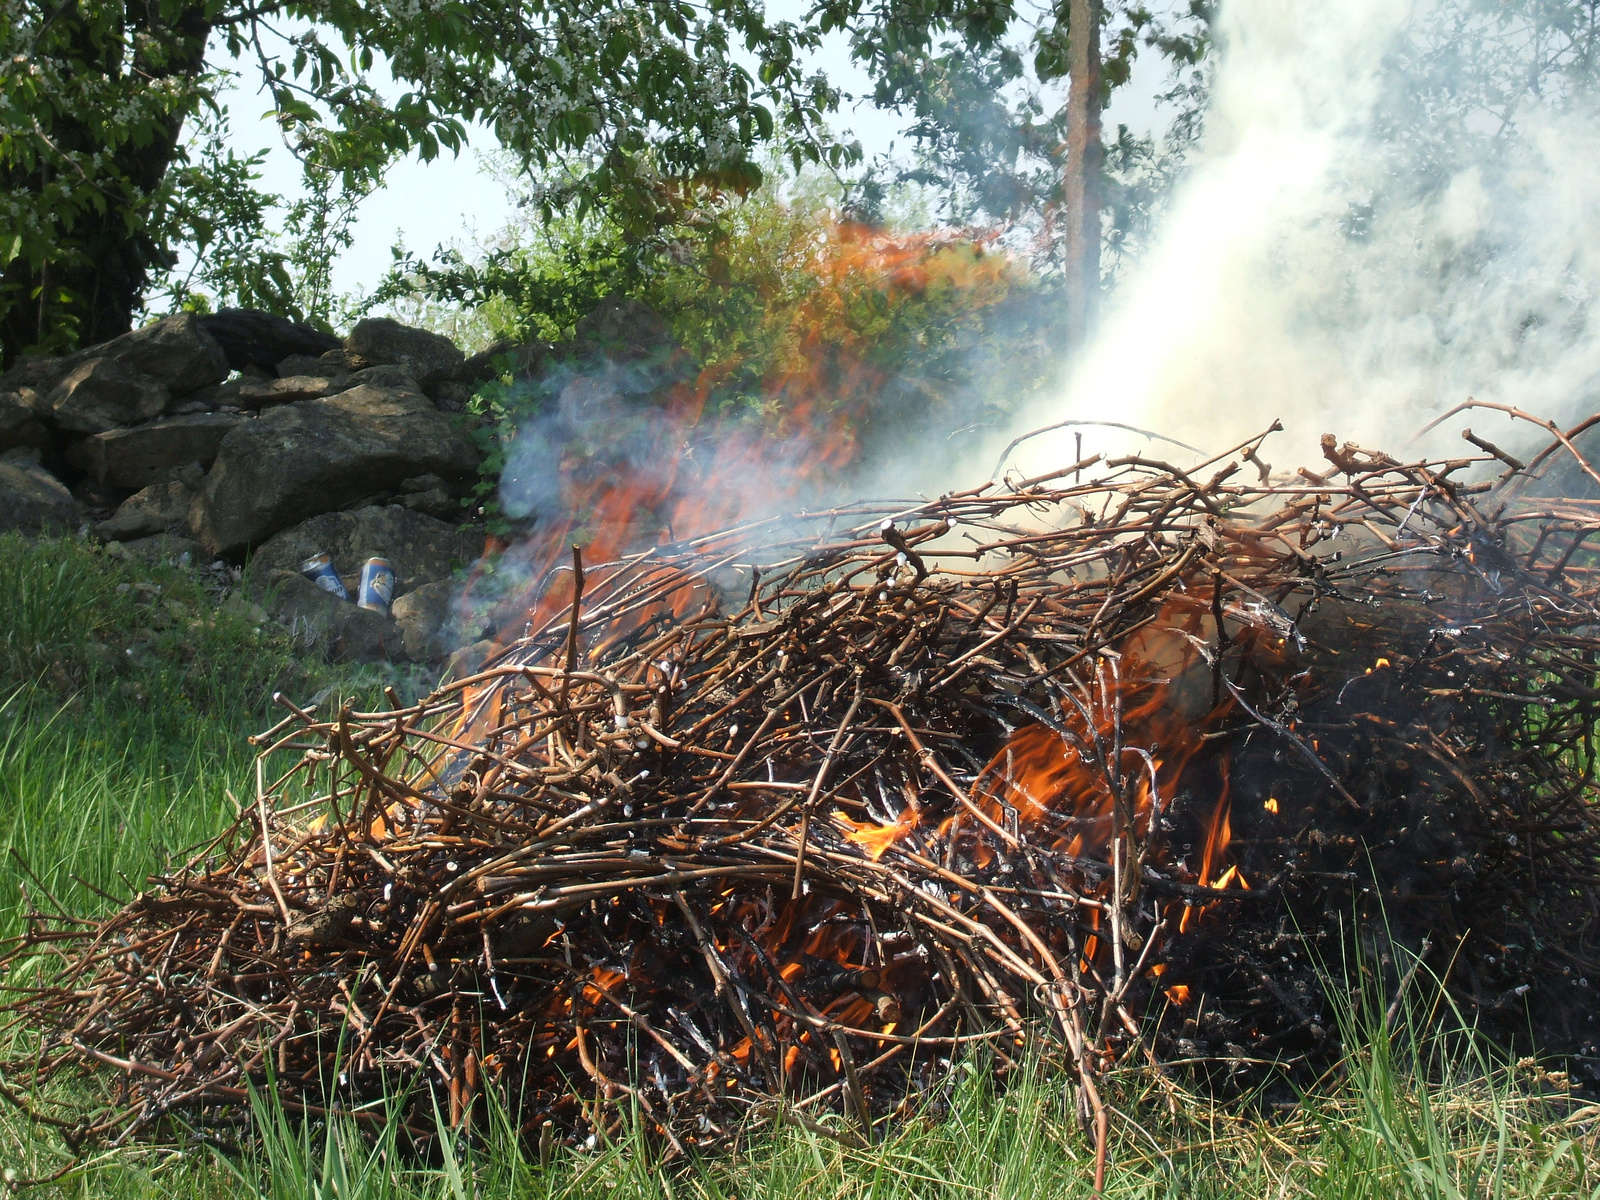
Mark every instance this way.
x=435 y=502
x=167 y=548
x=175 y=350
x=144 y=454
x=517 y=359
x=31 y=499
x=423 y=354
x=624 y=329
x=19 y=421
x=105 y=393
x=126 y=380
x=252 y=338
x=420 y=549
x=294 y=462
x=387 y=375
x=155 y=509
x=449 y=396
x=469 y=660
x=321 y=621
x=434 y=623
x=37 y=371
x=332 y=364
x=269 y=393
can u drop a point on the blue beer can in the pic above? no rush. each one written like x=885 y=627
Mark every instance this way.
x=377 y=585
x=319 y=569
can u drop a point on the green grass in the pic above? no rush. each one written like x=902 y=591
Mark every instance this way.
x=126 y=694
x=111 y=762
x=1473 y=1131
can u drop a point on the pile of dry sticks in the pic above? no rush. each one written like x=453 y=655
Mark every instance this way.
x=779 y=822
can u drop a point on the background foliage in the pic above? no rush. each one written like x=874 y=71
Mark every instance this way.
x=612 y=102
x=786 y=320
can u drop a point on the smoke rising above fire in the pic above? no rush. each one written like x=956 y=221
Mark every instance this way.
x=620 y=445
x=1393 y=207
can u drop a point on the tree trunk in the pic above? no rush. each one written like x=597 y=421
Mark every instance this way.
x=1085 y=162
x=91 y=295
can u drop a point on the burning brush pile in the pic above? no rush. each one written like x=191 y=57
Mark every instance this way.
x=782 y=820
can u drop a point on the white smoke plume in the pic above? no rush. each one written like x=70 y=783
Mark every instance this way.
x=1394 y=207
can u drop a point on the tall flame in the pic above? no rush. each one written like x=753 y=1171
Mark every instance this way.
x=700 y=459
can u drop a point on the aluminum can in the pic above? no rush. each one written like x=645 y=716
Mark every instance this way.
x=319 y=569
x=377 y=585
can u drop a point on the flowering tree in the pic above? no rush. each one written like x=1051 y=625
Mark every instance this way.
x=638 y=102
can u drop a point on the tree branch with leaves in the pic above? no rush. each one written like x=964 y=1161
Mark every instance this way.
x=634 y=101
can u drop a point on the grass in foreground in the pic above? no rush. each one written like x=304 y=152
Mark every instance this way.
x=125 y=695
x=1380 y=1133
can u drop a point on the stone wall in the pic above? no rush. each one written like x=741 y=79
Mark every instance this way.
x=243 y=438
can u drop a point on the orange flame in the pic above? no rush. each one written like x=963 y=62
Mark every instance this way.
x=708 y=463
x=1232 y=877
x=876 y=839
x=1156 y=700
x=1218 y=834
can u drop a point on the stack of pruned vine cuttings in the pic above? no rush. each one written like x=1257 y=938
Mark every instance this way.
x=778 y=823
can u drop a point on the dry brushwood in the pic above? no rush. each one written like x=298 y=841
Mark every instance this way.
x=778 y=822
